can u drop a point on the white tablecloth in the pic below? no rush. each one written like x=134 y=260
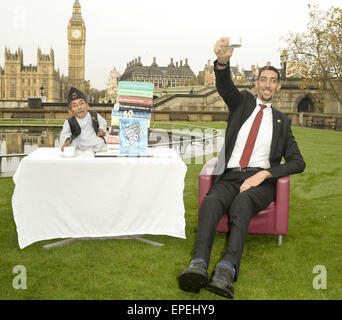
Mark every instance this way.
x=84 y=196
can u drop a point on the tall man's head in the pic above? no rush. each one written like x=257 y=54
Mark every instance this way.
x=78 y=105
x=268 y=83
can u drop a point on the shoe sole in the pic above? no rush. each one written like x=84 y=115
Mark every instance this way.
x=220 y=290
x=192 y=282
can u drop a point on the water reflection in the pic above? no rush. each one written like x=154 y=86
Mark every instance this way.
x=24 y=143
x=183 y=141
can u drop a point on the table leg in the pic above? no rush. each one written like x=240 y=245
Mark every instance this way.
x=70 y=240
x=59 y=243
x=153 y=243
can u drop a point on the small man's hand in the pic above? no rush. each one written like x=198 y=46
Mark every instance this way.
x=66 y=144
x=255 y=180
x=101 y=133
x=222 y=50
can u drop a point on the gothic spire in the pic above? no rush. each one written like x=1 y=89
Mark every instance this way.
x=76 y=11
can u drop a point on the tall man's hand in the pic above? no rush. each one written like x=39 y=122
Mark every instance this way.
x=223 y=51
x=255 y=180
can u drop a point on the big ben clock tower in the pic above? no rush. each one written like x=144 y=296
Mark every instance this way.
x=76 y=49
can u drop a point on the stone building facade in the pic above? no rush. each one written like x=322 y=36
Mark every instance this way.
x=291 y=99
x=76 y=51
x=19 y=81
x=112 y=85
x=173 y=75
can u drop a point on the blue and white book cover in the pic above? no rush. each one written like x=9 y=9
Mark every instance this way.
x=133 y=136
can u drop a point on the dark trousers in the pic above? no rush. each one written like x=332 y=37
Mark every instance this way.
x=225 y=197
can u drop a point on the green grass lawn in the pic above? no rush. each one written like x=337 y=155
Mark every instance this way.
x=129 y=269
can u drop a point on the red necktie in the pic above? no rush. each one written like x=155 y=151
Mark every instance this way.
x=247 y=151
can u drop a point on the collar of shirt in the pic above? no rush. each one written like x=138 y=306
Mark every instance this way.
x=261 y=150
x=83 y=121
x=258 y=101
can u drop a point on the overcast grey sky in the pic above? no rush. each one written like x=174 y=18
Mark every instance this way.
x=121 y=30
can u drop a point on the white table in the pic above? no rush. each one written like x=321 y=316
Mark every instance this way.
x=87 y=196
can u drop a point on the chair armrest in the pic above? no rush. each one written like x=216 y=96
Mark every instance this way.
x=282 y=204
x=206 y=180
x=209 y=167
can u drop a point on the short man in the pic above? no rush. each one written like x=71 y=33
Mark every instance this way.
x=84 y=129
x=257 y=137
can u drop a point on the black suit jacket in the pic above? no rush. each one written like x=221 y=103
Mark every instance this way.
x=241 y=106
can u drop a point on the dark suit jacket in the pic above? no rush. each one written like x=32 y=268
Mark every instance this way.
x=241 y=106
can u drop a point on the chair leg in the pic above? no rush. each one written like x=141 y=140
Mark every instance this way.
x=280 y=239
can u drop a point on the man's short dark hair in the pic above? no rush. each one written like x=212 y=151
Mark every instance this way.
x=269 y=68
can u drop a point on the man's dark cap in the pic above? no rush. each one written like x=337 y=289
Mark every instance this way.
x=75 y=94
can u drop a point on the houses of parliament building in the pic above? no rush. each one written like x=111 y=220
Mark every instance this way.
x=173 y=75
x=17 y=81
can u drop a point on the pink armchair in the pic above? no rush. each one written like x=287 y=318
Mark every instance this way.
x=272 y=220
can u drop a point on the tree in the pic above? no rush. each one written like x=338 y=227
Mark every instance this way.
x=200 y=78
x=95 y=95
x=191 y=82
x=318 y=53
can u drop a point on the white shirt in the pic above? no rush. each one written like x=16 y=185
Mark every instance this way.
x=88 y=137
x=261 y=152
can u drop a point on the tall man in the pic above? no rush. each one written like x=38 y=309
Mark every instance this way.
x=257 y=137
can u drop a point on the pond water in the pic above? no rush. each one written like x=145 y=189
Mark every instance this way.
x=24 y=143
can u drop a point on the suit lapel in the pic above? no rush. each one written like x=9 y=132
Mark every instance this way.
x=248 y=112
x=276 y=128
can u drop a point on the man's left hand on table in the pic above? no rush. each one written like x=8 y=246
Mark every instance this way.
x=101 y=133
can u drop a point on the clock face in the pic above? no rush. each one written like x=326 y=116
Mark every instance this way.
x=76 y=33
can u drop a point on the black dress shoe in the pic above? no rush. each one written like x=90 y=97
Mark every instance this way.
x=194 y=277
x=221 y=283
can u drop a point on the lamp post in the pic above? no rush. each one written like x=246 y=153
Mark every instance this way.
x=42 y=97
